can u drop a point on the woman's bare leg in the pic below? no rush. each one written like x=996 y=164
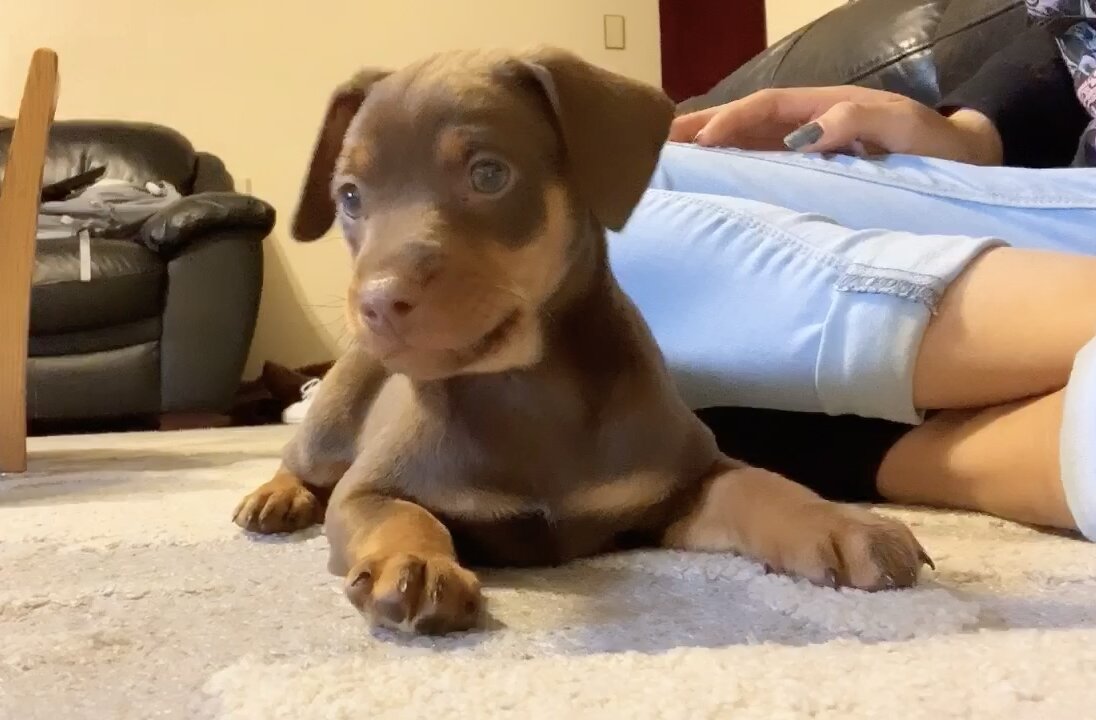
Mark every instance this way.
x=1002 y=460
x=1008 y=328
x=1001 y=348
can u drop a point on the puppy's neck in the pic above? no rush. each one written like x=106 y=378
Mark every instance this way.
x=587 y=285
x=587 y=326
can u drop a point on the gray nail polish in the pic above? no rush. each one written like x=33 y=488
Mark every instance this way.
x=803 y=136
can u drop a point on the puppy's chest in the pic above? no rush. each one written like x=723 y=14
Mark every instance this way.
x=545 y=505
x=506 y=465
x=535 y=473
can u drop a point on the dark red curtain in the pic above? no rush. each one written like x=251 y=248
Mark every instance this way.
x=703 y=41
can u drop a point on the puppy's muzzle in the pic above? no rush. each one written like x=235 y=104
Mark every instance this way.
x=388 y=298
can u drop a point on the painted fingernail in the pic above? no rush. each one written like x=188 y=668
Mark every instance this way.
x=803 y=136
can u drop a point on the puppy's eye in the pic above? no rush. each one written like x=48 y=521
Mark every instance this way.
x=349 y=201
x=489 y=177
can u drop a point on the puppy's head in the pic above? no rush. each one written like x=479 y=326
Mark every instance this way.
x=466 y=187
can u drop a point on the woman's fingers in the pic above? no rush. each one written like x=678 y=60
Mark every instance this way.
x=685 y=128
x=894 y=127
x=760 y=120
x=826 y=119
x=762 y=114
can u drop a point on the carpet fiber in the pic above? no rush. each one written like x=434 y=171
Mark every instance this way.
x=127 y=593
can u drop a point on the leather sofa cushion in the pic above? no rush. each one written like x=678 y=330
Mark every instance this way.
x=83 y=342
x=132 y=151
x=127 y=284
x=113 y=383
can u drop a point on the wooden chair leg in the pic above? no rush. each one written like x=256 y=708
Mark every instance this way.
x=19 y=199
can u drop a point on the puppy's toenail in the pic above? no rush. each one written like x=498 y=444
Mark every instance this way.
x=831 y=578
x=436 y=591
x=925 y=559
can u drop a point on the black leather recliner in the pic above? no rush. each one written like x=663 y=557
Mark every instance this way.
x=165 y=323
x=919 y=48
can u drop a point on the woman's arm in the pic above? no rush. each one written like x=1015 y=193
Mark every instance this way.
x=1026 y=91
x=1018 y=109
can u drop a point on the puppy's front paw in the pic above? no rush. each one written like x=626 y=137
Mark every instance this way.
x=429 y=595
x=842 y=545
x=283 y=504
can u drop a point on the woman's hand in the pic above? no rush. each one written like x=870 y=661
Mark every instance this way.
x=842 y=119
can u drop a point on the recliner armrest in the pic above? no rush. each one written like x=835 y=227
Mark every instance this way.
x=172 y=228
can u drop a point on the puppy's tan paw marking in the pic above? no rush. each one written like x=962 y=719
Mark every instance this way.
x=277 y=506
x=847 y=546
x=430 y=595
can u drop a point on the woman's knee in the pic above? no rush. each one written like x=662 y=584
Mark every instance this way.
x=1007 y=328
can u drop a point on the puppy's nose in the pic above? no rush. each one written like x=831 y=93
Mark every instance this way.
x=386 y=302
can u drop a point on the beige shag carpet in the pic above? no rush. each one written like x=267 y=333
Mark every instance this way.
x=127 y=593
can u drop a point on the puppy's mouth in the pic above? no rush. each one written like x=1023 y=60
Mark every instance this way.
x=493 y=339
x=403 y=355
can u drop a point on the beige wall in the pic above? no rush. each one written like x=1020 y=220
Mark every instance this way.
x=785 y=16
x=248 y=82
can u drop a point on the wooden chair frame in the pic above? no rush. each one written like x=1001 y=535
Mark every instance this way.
x=20 y=195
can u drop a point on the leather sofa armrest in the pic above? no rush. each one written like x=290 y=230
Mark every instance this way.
x=195 y=216
x=210 y=311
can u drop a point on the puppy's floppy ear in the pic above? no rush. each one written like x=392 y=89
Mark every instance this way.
x=315 y=208
x=613 y=129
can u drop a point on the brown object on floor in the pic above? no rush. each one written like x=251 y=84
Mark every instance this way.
x=262 y=400
x=19 y=200
x=193 y=421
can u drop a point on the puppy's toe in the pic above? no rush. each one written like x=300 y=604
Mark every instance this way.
x=878 y=553
x=429 y=595
x=837 y=545
x=276 y=508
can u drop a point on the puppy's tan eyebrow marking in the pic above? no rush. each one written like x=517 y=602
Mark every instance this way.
x=452 y=145
x=456 y=144
x=356 y=160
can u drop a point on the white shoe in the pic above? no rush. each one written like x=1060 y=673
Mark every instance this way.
x=1078 y=441
x=294 y=414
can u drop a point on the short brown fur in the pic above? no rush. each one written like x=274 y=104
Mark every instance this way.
x=503 y=401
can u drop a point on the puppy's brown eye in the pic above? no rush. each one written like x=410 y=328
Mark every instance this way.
x=349 y=200
x=489 y=177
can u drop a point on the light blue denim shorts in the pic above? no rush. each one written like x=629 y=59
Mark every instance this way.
x=800 y=282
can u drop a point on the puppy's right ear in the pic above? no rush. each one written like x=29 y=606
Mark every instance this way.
x=315 y=208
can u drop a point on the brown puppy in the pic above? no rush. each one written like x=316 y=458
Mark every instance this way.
x=504 y=403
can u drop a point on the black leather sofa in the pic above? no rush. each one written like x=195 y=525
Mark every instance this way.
x=920 y=48
x=164 y=325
